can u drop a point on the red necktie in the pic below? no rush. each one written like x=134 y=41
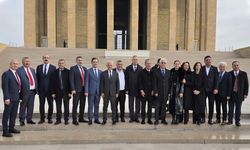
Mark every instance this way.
x=30 y=77
x=82 y=74
x=18 y=81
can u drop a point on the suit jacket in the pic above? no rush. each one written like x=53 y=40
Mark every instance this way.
x=162 y=84
x=243 y=84
x=44 y=80
x=92 y=86
x=10 y=86
x=132 y=80
x=210 y=80
x=225 y=85
x=25 y=80
x=76 y=78
x=110 y=86
x=146 y=81
x=55 y=81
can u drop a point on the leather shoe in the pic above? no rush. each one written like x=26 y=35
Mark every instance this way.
x=75 y=123
x=156 y=122
x=57 y=122
x=22 y=123
x=31 y=122
x=164 y=122
x=114 y=122
x=137 y=121
x=210 y=122
x=143 y=122
x=83 y=121
x=41 y=122
x=238 y=124
x=150 y=122
x=229 y=123
x=104 y=122
x=66 y=122
x=97 y=122
x=90 y=122
x=15 y=131
x=7 y=135
x=122 y=120
x=50 y=121
x=131 y=121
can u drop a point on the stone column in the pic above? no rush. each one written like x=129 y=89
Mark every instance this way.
x=203 y=26
x=153 y=23
x=51 y=15
x=134 y=24
x=172 y=25
x=91 y=24
x=211 y=24
x=110 y=24
x=30 y=28
x=190 y=27
x=72 y=23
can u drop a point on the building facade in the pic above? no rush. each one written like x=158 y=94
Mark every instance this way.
x=121 y=24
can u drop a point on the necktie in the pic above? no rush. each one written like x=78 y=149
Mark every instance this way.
x=45 y=69
x=82 y=74
x=95 y=73
x=135 y=67
x=235 y=89
x=220 y=76
x=163 y=72
x=60 y=77
x=30 y=77
x=110 y=74
x=18 y=81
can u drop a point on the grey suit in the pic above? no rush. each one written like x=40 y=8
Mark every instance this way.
x=110 y=87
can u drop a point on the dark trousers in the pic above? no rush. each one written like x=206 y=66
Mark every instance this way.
x=144 y=100
x=27 y=106
x=161 y=104
x=221 y=102
x=78 y=97
x=42 y=98
x=93 y=107
x=134 y=107
x=9 y=116
x=234 y=102
x=186 y=116
x=121 y=99
x=210 y=97
x=62 y=96
x=106 y=100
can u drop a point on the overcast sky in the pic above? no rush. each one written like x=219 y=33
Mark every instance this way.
x=233 y=23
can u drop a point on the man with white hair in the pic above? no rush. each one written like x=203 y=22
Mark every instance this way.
x=224 y=92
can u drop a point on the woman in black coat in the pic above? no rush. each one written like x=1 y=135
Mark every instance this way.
x=198 y=92
x=186 y=80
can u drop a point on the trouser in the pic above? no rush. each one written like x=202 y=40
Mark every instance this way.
x=144 y=100
x=234 y=103
x=62 y=96
x=93 y=107
x=134 y=101
x=106 y=100
x=161 y=104
x=42 y=99
x=210 y=97
x=78 y=97
x=121 y=99
x=186 y=115
x=9 y=116
x=221 y=102
x=27 y=105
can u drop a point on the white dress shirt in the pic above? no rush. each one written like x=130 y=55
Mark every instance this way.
x=121 y=76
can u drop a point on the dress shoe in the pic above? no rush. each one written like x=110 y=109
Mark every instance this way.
x=31 y=122
x=15 y=131
x=22 y=123
x=210 y=122
x=173 y=122
x=137 y=121
x=143 y=122
x=7 y=135
x=41 y=122
x=150 y=122
x=57 y=122
x=238 y=124
x=122 y=120
x=198 y=123
x=97 y=122
x=223 y=123
x=229 y=123
x=113 y=122
x=90 y=122
x=83 y=121
x=185 y=122
x=75 y=123
x=50 y=121
x=104 y=122
x=131 y=121
x=156 y=122
x=202 y=121
x=217 y=121
x=164 y=122
x=66 y=122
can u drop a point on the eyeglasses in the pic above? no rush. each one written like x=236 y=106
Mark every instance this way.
x=163 y=62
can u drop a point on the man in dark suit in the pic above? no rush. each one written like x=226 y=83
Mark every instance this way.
x=224 y=93
x=44 y=72
x=210 y=74
x=132 y=72
x=11 y=86
x=122 y=93
x=29 y=90
x=77 y=84
x=60 y=89
x=109 y=91
x=146 y=91
x=92 y=90
x=161 y=90
x=240 y=86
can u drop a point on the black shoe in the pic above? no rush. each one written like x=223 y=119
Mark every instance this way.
x=50 y=121
x=7 y=135
x=131 y=121
x=203 y=121
x=223 y=123
x=229 y=123
x=143 y=122
x=31 y=122
x=83 y=121
x=137 y=121
x=104 y=122
x=238 y=124
x=113 y=122
x=210 y=122
x=122 y=120
x=198 y=123
x=150 y=122
x=75 y=123
x=41 y=122
x=156 y=122
x=185 y=122
x=173 y=122
x=97 y=122
x=90 y=122
x=15 y=131
x=22 y=123
x=164 y=122
x=66 y=122
x=217 y=121
x=57 y=122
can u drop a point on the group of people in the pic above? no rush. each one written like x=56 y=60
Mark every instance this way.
x=179 y=90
